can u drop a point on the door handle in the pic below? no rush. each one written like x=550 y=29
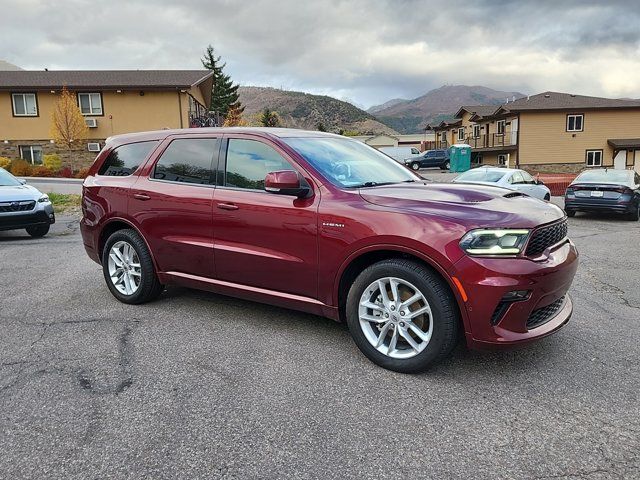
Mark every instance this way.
x=227 y=206
x=141 y=196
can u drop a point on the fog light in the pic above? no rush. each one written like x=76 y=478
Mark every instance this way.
x=515 y=295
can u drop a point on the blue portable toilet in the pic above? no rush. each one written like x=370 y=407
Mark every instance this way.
x=459 y=157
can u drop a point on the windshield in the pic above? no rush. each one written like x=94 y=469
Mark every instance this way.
x=8 y=180
x=480 y=176
x=604 y=176
x=349 y=163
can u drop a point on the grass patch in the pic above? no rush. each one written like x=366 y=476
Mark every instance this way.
x=64 y=201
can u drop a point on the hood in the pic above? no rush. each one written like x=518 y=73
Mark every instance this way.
x=475 y=206
x=19 y=193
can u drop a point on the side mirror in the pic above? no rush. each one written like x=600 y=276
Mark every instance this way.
x=22 y=181
x=539 y=182
x=286 y=182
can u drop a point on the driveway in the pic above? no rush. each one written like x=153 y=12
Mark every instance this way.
x=197 y=385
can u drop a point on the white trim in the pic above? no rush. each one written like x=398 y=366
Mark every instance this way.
x=504 y=127
x=461 y=134
x=24 y=104
x=30 y=147
x=593 y=163
x=575 y=116
x=93 y=109
x=93 y=146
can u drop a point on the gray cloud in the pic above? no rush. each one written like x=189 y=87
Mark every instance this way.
x=366 y=51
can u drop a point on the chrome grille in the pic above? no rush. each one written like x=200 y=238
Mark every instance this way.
x=17 y=206
x=545 y=237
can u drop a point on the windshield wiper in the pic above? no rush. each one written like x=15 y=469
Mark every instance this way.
x=379 y=184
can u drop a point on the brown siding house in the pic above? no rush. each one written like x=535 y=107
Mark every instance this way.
x=113 y=102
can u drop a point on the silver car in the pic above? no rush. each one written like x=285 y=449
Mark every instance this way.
x=23 y=206
x=511 y=178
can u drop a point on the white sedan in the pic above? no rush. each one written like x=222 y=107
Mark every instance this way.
x=510 y=178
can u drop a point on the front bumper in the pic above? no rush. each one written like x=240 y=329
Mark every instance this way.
x=491 y=322
x=41 y=215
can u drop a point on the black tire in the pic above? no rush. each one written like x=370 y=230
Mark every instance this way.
x=547 y=197
x=446 y=321
x=635 y=215
x=446 y=165
x=415 y=166
x=37 y=231
x=149 y=287
x=570 y=213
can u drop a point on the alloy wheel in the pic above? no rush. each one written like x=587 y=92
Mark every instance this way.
x=125 y=270
x=395 y=318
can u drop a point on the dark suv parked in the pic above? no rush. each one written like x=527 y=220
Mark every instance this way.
x=430 y=158
x=328 y=225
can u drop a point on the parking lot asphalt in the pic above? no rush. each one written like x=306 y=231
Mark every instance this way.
x=196 y=385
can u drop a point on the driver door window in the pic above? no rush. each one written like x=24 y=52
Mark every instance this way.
x=249 y=161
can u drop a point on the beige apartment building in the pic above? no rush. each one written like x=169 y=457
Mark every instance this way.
x=113 y=102
x=549 y=132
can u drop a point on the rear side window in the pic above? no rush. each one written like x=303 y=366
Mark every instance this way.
x=125 y=159
x=187 y=160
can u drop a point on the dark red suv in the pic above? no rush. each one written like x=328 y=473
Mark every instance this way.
x=328 y=225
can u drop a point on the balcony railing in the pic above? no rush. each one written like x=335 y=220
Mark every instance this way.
x=436 y=145
x=493 y=140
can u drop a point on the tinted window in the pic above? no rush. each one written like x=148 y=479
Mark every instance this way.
x=605 y=176
x=187 y=160
x=249 y=161
x=126 y=159
x=480 y=176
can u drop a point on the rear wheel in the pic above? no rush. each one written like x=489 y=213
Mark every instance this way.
x=402 y=316
x=570 y=213
x=37 y=231
x=415 y=166
x=635 y=215
x=128 y=268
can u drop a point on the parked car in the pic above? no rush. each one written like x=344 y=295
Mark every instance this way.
x=327 y=225
x=604 y=190
x=399 y=154
x=430 y=158
x=510 y=178
x=23 y=206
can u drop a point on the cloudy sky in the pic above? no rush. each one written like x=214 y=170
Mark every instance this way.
x=367 y=51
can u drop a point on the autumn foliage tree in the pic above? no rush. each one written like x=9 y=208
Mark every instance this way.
x=234 y=117
x=68 y=128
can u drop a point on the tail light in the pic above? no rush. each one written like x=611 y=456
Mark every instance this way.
x=623 y=190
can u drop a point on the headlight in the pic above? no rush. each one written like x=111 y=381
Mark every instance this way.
x=494 y=242
x=43 y=199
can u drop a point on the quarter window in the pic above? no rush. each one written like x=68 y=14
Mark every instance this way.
x=516 y=179
x=24 y=104
x=594 y=158
x=500 y=127
x=249 y=161
x=126 y=159
x=31 y=153
x=187 y=160
x=575 y=123
x=90 y=103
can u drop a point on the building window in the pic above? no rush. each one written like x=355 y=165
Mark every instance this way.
x=476 y=131
x=24 y=104
x=500 y=127
x=575 y=123
x=444 y=136
x=594 y=158
x=502 y=160
x=90 y=103
x=31 y=153
x=461 y=133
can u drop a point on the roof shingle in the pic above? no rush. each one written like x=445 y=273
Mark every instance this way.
x=567 y=101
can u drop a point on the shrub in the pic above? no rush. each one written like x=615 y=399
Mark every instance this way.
x=4 y=163
x=42 y=171
x=52 y=161
x=21 y=168
x=66 y=172
x=82 y=173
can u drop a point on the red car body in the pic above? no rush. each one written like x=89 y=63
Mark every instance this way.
x=300 y=253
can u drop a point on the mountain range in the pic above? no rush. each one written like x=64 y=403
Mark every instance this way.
x=411 y=116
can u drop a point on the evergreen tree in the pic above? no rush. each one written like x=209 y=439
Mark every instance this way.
x=224 y=93
x=321 y=127
x=269 y=118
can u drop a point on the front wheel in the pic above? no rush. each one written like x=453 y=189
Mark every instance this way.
x=635 y=215
x=128 y=268
x=415 y=166
x=446 y=165
x=571 y=213
x=37 y=231
x=402 y=316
